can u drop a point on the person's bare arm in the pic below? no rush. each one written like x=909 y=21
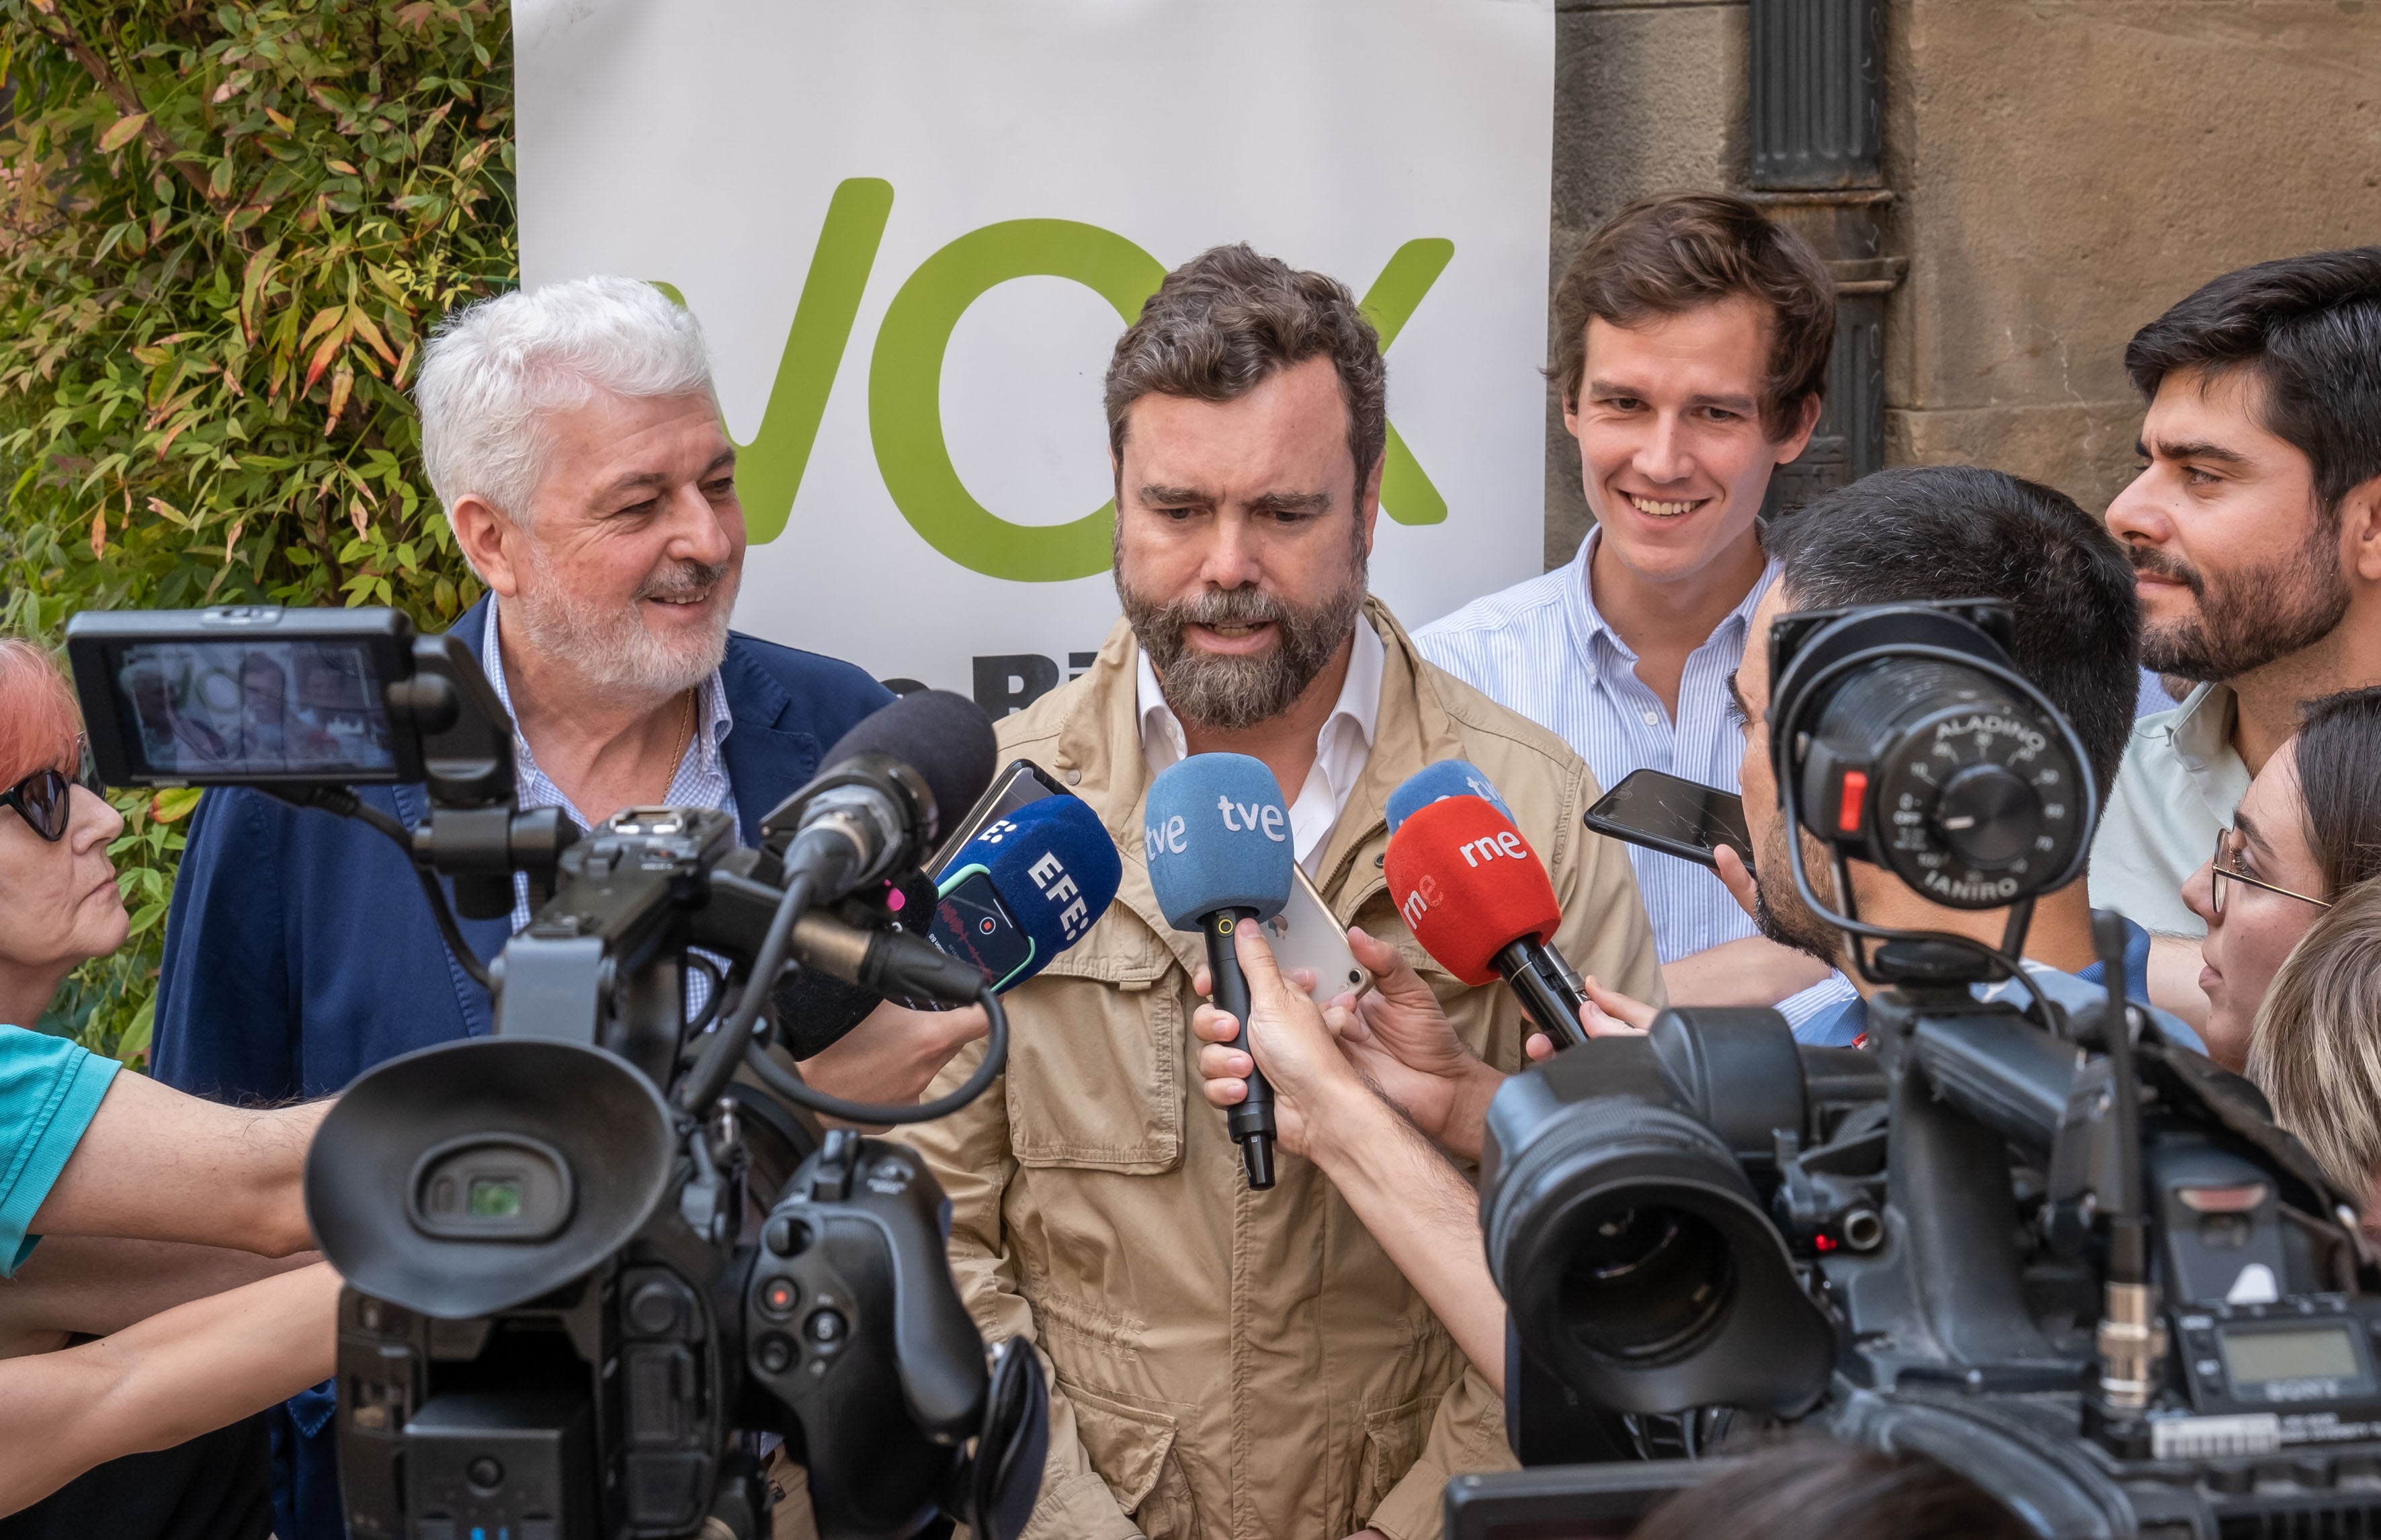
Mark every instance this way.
x=162 y=1382
x=157 y=1164
x=1752 y=971
x=91 y=1286
x=894 y=1054
x=2174 y=979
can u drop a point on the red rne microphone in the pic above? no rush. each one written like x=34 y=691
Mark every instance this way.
x=1476 y=897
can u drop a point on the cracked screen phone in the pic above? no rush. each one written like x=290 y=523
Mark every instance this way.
x=1677 y=817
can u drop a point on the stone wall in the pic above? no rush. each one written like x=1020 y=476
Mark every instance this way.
x=2066 y=169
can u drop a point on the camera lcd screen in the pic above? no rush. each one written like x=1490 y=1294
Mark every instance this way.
x=2253 y=1358
x=206 y=710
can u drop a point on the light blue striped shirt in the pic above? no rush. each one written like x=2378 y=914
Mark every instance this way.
x=1541 y=649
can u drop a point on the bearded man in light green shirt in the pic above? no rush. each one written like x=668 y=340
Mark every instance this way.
x=2255 y=529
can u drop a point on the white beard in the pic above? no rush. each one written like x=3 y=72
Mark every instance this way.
x=612 y=648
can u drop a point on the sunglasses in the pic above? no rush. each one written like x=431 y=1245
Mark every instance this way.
x=46 y=799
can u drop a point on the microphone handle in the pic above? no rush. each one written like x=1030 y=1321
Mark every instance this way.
x=1550 y=993
x=1251 y=1121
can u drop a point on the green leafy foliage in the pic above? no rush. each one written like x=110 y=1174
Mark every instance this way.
x=224 y=236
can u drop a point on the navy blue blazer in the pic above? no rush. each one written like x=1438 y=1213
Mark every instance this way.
x=299 y=951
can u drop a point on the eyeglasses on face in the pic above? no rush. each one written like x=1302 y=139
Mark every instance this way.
x=2224 y=865
x=46 y=799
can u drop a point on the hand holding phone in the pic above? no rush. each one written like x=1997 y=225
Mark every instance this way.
x=1677 y=817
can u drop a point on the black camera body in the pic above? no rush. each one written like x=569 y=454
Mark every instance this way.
x=587 y=1271
x=2046 y=1246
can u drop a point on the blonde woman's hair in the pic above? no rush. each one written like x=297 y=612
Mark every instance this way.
x=2316 y=1050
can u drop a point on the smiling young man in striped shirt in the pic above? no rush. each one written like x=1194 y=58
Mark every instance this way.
x=1692 y=352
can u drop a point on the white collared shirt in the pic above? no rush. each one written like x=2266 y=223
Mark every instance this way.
x=2181 y=781
x=1340 y=749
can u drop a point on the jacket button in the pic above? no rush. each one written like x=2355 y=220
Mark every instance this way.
x=1074 y=778
x=1382 y=859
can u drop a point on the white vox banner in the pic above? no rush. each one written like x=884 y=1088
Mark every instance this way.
x=913 y=229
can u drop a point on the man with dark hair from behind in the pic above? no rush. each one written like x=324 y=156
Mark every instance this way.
x=2255 y=531
x=1807 y=1488
x=1691 y=337
x=1947 y=533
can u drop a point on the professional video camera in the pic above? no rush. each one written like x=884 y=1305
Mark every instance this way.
x=2046 y=1246
x=555 y=1327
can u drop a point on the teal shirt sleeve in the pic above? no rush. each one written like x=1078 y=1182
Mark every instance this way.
x=50 y=1089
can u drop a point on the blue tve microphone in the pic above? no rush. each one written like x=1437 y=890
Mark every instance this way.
x=1220 y=851
x=1448 y=777
x=1029 y=886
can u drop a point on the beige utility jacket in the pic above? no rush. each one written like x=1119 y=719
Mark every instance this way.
x=1229 y=1363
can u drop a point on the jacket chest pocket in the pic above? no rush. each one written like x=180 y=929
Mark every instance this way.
x=1095 y=1072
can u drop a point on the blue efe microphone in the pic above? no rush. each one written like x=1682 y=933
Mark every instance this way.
x=1220 y=851
x=1029 y=886
x=1448 y=777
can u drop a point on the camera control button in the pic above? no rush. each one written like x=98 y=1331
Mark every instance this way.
x=827 y=1329
x=778 y=1297
x=655 y=1308
x=777 y=1353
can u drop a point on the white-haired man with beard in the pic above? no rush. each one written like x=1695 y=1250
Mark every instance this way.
x=1229 y=1362
x=573 y=437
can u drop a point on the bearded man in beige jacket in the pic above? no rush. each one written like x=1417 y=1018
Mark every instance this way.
x=1228 y=1362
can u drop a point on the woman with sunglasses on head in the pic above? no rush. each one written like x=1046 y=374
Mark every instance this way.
x=88 y=1153
x=2308 y=828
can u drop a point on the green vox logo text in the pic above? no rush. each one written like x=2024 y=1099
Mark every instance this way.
x=905 y=420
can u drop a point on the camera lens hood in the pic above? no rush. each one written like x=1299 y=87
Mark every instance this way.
x=471 y=1177
x=1639 y=1267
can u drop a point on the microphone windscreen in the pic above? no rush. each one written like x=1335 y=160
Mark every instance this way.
x=1054 y=869
x=1218 y=837
x=944 y=737
x=1448 y=777
x=1467 y=885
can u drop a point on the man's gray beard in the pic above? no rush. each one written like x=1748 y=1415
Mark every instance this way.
x=610 y=648
x=1231 y=694
x=2247 y=620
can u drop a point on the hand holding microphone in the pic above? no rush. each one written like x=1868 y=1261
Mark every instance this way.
x=1284 y=1036
x=1217 y=839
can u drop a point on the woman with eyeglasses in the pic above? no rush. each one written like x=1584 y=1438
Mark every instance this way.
x=140 y=1190
x=2315 y=1051
x=2308 y=828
